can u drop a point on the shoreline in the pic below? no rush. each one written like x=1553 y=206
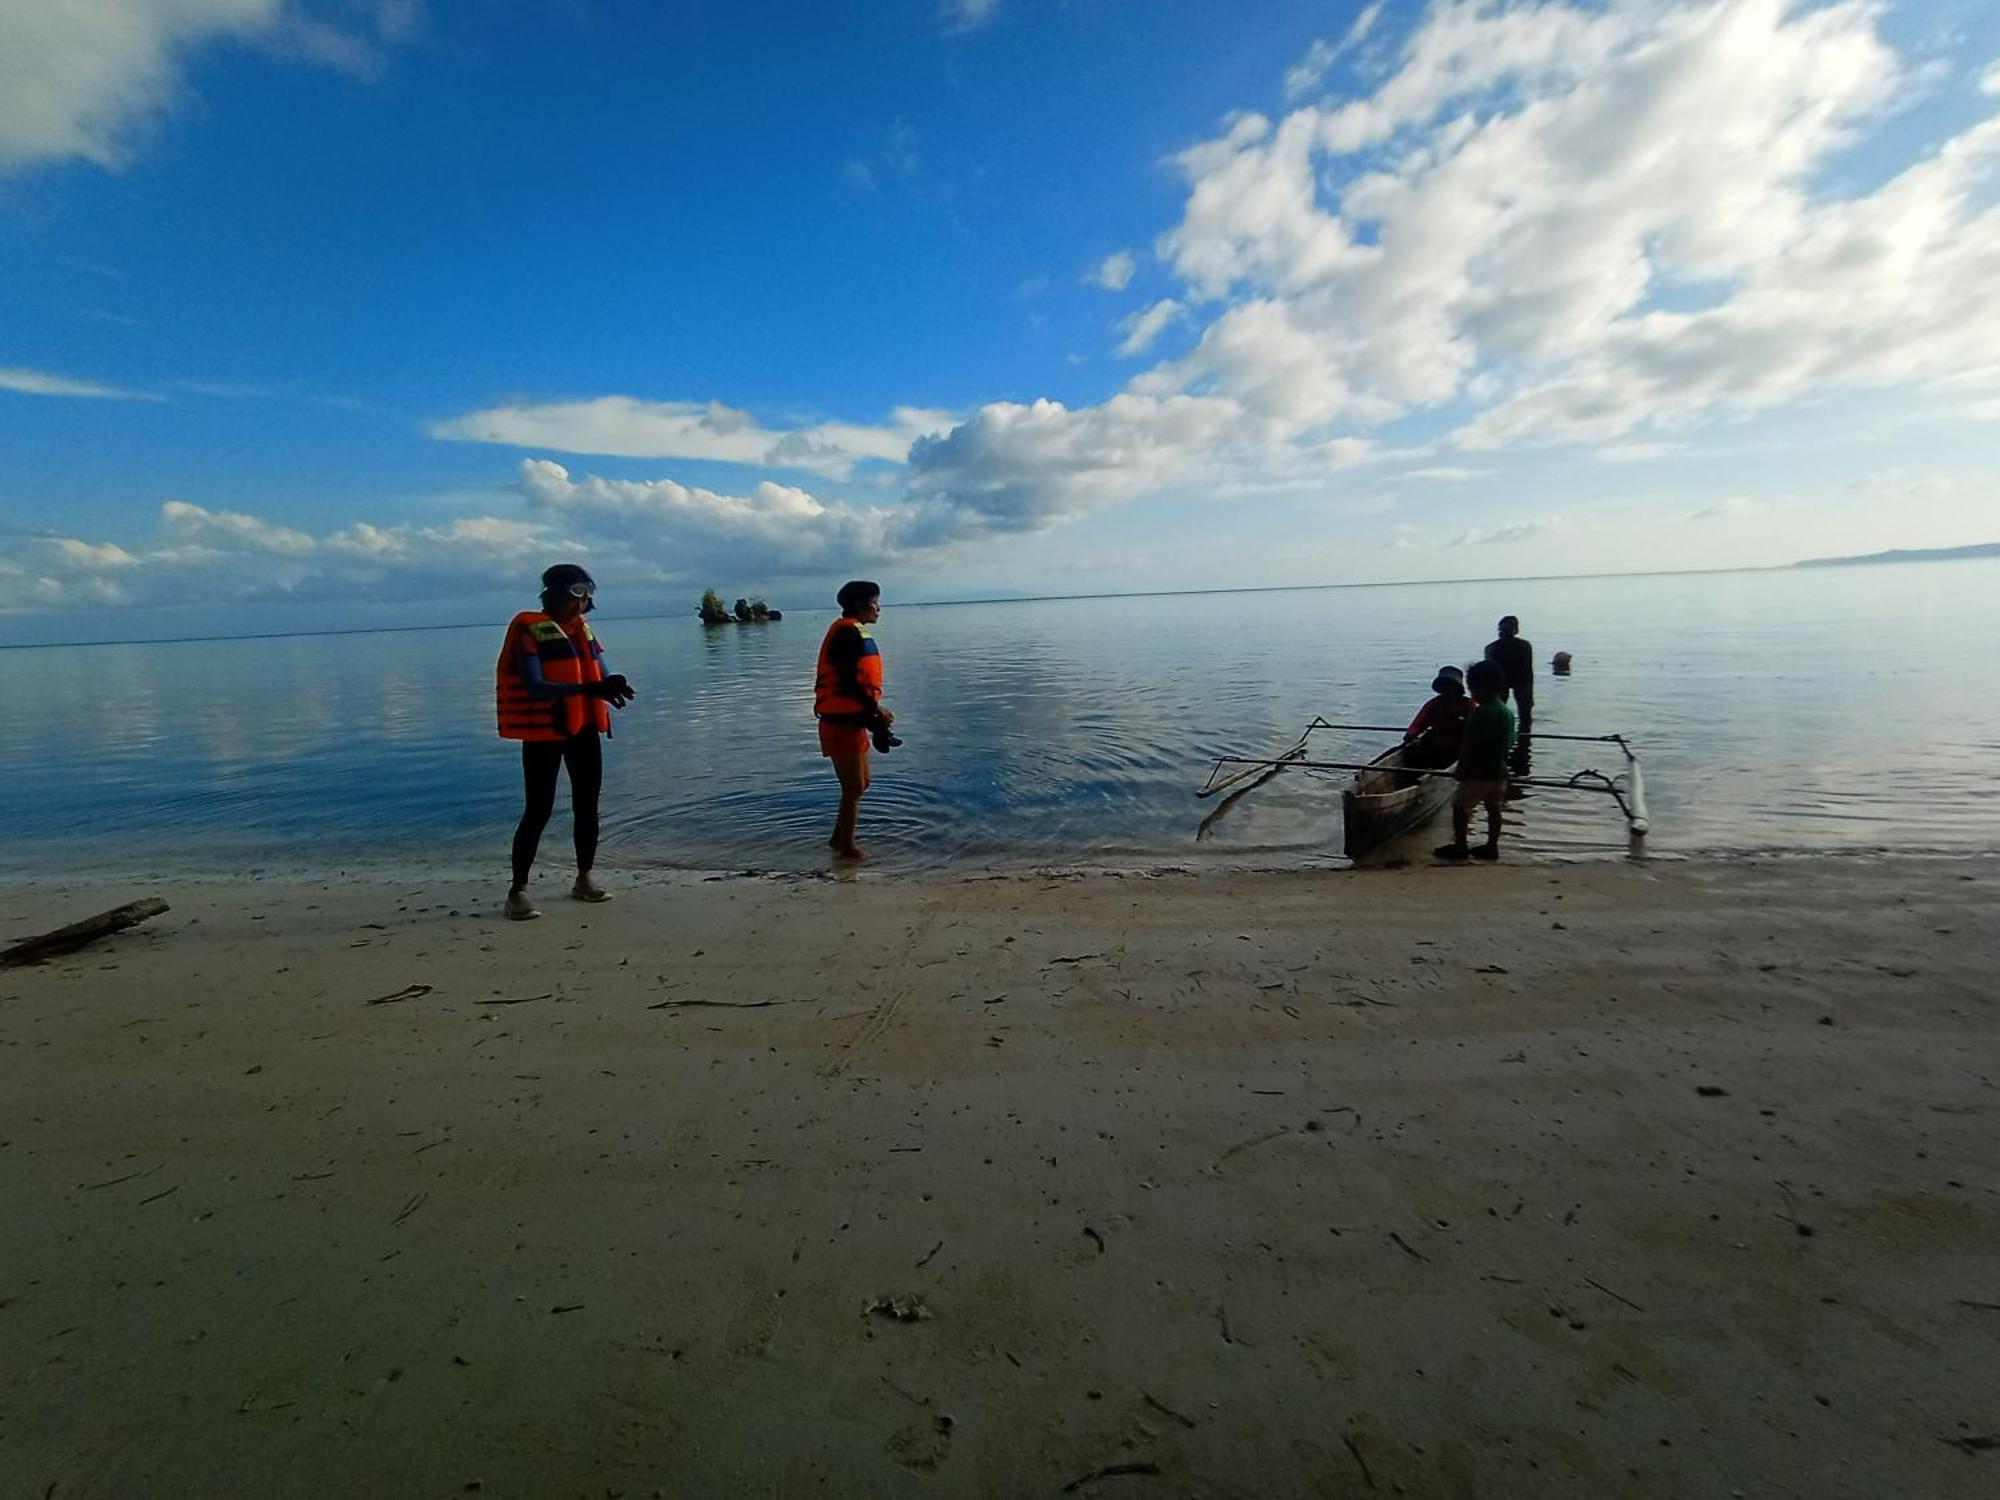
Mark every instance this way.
x=552 y=874
x=1673 y=1178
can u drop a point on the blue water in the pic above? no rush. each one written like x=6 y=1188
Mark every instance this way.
x=1805 y=710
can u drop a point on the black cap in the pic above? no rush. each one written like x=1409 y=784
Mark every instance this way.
x=562 y=575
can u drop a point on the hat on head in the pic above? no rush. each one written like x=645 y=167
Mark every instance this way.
x=1448 y=680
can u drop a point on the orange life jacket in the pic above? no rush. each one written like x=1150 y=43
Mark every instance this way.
x=829 y=696
x=566 y=656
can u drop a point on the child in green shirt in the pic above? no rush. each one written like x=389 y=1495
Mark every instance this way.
x=1482 y=763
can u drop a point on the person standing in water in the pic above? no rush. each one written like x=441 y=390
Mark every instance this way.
x=847 y=700
x=554 y=696
x=1516 y=659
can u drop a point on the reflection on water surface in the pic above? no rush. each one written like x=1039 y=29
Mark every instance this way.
x=1793 y=710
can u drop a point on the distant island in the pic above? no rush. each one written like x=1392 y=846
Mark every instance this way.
x=747 y=611
x=1905 y=554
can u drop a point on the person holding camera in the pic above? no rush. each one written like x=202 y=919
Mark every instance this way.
x=554 y=696
x=847 y=700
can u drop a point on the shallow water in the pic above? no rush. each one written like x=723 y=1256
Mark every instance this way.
x=1804 y=710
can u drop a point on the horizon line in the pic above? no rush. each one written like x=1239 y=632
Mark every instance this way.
x=1271 y=588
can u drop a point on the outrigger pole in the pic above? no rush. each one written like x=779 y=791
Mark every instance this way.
x=1630 y=795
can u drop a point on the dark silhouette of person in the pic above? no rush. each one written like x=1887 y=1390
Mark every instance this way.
x=1515 y=657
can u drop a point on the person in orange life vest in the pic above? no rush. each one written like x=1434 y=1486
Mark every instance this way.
x=554 y=696
x=847 y=699
x=1433 y=739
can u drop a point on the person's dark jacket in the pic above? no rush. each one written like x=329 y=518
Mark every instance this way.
x=1516 y=657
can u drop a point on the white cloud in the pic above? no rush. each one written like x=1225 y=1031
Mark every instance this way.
x=900 y=156
x=642 y=532
x=629 y=427
x=1013 y=467
x=1304 y=76
x=1141 y=328
x=1114 y=272
x=233 y=556
x=773 y=528
x=92 y=556
x=41 y=383
x=965 y=15
x=1989 y=81
x=1535 y=530
x=1634 y=453
x=85 y=79
x=1447 y=472
x=356 y=43
x=1729 y=508
x=228 y=530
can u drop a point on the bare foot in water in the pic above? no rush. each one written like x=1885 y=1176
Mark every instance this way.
x=849 y=851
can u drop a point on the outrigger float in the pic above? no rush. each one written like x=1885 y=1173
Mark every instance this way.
x=1386 y=797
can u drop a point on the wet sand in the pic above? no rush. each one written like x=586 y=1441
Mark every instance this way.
x=1601 y=1181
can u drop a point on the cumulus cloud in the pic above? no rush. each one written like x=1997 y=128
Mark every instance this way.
x=85 y=79
x=1015 y=467
x=41 y=383
x=774 y=528
x=645 y=532
x=1448 y=472
x=1553 y=170
x=628 y=427
x=1114 y=272
x=238 y=557
x=1143 y=327
x=191 y=527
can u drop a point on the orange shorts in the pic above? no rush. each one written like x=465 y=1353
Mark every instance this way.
x=842 y=739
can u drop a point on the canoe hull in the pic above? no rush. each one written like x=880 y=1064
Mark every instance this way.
x=1380 y=803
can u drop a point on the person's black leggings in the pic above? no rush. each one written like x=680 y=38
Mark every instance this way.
x=541 y=760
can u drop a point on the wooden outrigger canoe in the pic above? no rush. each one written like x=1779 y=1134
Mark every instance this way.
x=1385 y=798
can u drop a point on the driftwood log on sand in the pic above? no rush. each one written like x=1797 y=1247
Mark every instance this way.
x=77 y=934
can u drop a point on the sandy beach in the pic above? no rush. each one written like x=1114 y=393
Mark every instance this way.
x=1676 y=1180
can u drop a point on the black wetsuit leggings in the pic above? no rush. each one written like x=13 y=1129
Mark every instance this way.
x=541 y=760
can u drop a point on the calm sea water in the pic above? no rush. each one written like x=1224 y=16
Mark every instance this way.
x=1806 y=710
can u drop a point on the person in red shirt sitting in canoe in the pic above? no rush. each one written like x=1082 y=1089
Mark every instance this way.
x=1437 y=733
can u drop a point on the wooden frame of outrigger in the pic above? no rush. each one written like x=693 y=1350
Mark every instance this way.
x=1627 y=789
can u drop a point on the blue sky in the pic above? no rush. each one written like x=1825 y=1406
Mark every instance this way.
x=309 y=307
